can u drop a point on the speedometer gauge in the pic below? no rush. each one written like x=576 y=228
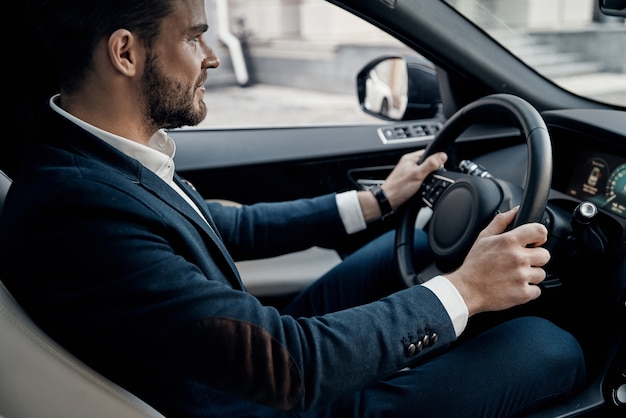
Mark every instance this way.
x=616 y=191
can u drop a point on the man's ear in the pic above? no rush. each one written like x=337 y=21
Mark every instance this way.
x=123 y=52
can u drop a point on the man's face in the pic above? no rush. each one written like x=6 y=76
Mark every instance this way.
x=172 y=102
x=176 y=68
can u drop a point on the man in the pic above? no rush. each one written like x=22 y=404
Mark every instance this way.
x=133 y=271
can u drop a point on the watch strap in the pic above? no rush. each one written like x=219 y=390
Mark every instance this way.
x=383 y=203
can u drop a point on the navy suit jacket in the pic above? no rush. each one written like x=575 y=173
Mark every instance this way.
x=115 y=265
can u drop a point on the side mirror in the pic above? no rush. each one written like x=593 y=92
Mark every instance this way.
x=613 y=7
x=399 y=88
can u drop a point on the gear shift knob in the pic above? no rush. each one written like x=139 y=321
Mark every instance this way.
x=590 y=237
x=585 y=213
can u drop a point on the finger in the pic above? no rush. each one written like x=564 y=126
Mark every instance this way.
x=542 y=235
x=413 y=157
x=534 y=291
x=500 y=222
x=532 y=235
x=435 y=161
x=538 y=257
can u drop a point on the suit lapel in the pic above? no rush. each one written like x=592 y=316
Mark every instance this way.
x=159 y=188
x=83 y=143
x=191 y=191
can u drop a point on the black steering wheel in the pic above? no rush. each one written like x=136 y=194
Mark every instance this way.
x=463 y=204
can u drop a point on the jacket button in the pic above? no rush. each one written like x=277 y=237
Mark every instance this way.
x=434 y=338
x=413 y=349
x=426 y=340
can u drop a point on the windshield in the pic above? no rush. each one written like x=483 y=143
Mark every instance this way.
x=567 y=41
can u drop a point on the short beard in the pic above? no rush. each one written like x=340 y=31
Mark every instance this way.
x=169 y=104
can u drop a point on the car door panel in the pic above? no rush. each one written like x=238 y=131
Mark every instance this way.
x=253 y=165
x=283 y=163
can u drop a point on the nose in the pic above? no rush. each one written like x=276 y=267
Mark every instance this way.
x=211 y=60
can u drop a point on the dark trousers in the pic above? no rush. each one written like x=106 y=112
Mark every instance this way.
x=507 y=370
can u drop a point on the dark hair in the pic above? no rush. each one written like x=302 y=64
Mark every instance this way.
x=72 y=28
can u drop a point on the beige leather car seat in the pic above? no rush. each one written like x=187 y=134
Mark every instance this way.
x=39 y=378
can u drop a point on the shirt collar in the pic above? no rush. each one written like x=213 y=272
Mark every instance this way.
x=157 y=156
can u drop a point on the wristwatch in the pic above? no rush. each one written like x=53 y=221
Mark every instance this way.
x=383 y=203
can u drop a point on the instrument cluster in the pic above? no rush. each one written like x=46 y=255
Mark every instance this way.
x=600 y=178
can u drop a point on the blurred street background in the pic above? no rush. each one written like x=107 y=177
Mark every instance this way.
x=269 y=105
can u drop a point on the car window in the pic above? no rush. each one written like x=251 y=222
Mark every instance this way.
x=289 y=63
x=567 y=41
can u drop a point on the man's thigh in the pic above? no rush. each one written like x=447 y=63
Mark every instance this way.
x=510 y=369
x=366 y=275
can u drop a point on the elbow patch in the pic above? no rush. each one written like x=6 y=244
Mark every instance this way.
x=240 y=358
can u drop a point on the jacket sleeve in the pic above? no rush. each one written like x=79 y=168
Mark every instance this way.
x=270 y=229
x=286 y=363
x=130 y=282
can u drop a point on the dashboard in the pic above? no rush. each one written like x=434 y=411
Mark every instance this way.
x=589 y=159
x=600 y=178
x=589 y=148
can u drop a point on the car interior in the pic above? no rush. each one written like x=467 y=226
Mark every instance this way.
x=476 y=117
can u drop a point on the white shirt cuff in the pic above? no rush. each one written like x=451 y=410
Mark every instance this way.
x=451 y=300
x=350 y=211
